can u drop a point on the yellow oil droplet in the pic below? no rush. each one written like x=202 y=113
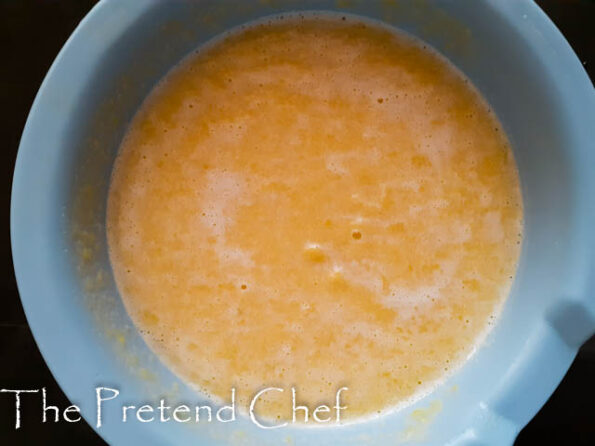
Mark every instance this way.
x=150 y=318
x=314 y=254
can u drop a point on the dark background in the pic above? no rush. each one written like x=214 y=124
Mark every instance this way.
x=31 y=34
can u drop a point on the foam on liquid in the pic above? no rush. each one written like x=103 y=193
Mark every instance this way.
x=314 y=202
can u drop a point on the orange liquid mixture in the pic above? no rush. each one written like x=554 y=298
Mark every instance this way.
x=314 y=203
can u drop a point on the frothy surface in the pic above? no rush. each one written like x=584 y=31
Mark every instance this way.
x=314 y=203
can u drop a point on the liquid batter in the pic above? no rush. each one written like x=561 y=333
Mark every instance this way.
x=314 y=202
